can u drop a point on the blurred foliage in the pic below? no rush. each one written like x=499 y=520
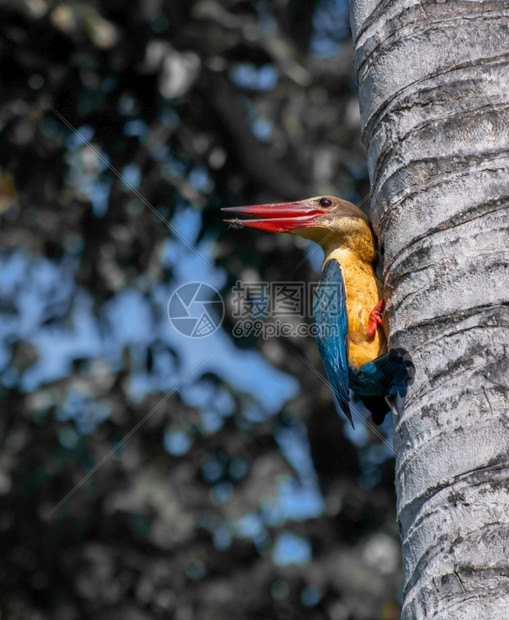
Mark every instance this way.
x=124 y=128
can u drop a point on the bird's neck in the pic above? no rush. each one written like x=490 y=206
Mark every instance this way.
x=352 y=242
x=363 y=253
x=351 y=264
x=344 y=256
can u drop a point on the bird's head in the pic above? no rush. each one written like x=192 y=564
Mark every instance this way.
x=327 y=220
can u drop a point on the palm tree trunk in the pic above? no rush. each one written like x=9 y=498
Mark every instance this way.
x=434 y=91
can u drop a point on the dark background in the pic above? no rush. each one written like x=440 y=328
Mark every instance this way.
x=243 y=494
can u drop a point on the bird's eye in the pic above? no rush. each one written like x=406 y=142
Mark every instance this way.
x=325 y=202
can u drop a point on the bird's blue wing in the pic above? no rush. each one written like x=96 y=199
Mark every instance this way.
x=331 y=324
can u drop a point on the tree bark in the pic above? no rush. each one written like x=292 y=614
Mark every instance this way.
x=434 y=91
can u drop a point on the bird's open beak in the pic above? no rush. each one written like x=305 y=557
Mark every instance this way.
x=277 y=217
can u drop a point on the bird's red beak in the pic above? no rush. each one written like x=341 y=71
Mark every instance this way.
x=277 y=217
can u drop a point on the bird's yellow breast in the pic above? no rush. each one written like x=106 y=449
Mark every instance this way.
x=363 y=292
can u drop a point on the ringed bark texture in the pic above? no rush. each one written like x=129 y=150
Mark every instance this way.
x=434 y=89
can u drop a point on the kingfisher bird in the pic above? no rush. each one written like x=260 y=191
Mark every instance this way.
x=354 y=353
